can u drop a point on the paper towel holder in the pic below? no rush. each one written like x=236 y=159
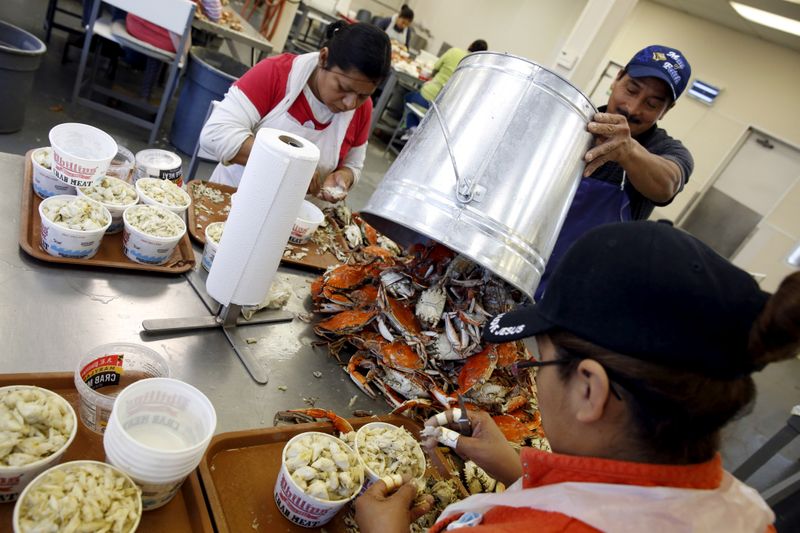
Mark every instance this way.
x=227 y=317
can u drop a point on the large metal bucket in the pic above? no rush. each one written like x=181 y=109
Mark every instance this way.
x=517 y=134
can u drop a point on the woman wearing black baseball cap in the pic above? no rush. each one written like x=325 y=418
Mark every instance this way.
x=647 y=340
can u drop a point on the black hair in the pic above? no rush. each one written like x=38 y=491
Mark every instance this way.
x=406 y=13
x=478 y=46
x=360 y=46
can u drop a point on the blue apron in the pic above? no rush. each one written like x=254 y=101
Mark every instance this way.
x=596 y=202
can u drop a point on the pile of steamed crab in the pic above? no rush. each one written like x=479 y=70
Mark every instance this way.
x=411 y=325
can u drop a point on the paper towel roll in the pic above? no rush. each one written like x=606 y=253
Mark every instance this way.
x=273 y=185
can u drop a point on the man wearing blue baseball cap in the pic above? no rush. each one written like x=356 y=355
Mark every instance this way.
x=634 y=165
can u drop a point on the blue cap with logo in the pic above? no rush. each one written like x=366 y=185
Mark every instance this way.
x=664 y=63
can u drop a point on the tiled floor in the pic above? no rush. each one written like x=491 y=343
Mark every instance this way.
x=48 y=105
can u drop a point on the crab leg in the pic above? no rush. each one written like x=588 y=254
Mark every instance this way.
x=450 y=330
x=361 y=381
x=383 y=329
x=340 y=424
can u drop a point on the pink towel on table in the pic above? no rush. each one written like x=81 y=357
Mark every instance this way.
x=149 y=32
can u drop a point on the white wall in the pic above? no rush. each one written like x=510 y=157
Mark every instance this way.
x=534 y=29
x=760 y=81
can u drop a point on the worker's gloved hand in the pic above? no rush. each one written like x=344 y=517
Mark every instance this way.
x=336 y=185
x=612 y=141
x=487 y=446
x=383 y=511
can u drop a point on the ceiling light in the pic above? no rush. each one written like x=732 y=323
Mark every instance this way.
x=765 y=18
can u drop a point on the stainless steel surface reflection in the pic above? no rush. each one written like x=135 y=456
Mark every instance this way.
x=51 y=314
x=518 y=135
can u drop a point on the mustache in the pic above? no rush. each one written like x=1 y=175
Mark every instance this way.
x=628 y=117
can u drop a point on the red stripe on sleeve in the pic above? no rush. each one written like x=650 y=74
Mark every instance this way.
x=265 y=84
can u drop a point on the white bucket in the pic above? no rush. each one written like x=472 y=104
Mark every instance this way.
x=149 y=200
x=371 y=476
x=115 y=210
x=299 y=507
x=158 y=432
x=81 y=153
x=157 y=490
x=149 y=249
x=211 y=246
x=61 y=241
x=71 y=466
x=105 y=370
x=13 y=479
x=307 y=222
x=45 y=183
x=143 y=466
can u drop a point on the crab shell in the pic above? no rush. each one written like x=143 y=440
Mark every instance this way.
x=345 y=322
x=430 y=306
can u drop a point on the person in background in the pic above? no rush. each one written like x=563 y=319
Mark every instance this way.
x=634 y=165
x=321 y=96
x=210 y=8
x=646 y=342
x=398 y=26
x=442 y=70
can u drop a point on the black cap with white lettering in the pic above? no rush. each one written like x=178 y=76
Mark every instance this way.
x=649 y=291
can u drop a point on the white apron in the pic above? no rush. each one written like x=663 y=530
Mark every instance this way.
x=329 y=141
x=399 y=36
x=733 y=507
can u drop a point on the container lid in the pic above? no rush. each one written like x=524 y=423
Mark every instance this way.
x=154 y=160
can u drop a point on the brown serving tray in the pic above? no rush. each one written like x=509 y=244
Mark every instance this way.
x=186 y=512
x=110 y=253
x=198 y=218
x=239 y=471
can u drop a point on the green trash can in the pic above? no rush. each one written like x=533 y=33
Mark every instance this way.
x=20 y=56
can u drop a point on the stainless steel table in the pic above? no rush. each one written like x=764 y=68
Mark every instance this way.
x=248 y=36
x=50 y=315
x=397 y=79
x=306 y=15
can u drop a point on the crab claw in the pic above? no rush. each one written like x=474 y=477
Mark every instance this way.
x=340 y=424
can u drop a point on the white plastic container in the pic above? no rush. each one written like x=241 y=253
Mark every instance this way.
x=301 y=508
x=149 y=249
x=158 y=432
x=149 y=200
x=61 y=241
x=211 y=246
x=160 y=164
x=107 y=369
x=13 y=479
x=116 y=210
x=307 y=222
x=122 y=165
x=45 y=183
x=371 y=475
x=68 y=466
x=157 y=488
x=81 y=153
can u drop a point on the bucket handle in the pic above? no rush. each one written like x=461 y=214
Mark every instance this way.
x=464 y=190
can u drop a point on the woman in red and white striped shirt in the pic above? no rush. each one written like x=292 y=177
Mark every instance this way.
x=322 y=96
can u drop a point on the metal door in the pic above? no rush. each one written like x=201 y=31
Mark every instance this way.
x=752 y=185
